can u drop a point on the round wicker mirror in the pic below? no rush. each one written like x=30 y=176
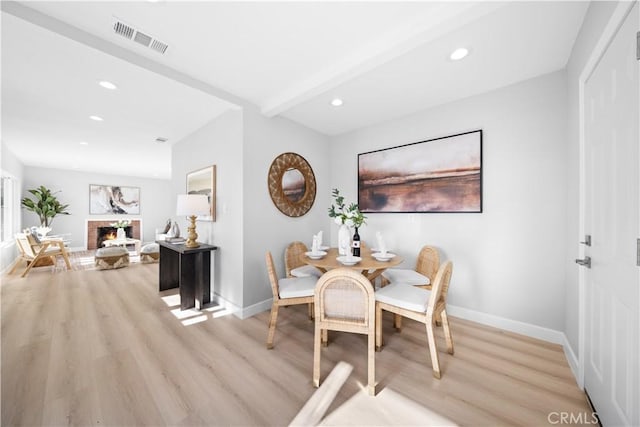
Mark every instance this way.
x=292 y=185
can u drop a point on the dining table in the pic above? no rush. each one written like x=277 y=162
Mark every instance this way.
x=370 y=267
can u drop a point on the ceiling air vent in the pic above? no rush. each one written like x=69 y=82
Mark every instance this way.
x=123 y=29
x=131 y=33
x=159 y=46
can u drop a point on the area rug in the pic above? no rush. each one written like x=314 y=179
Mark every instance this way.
x=85 y=260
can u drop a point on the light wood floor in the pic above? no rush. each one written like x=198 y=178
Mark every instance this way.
x=104 y=348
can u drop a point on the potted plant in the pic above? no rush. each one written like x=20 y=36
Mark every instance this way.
x=45 y=205
x=346 y=216
x=120 y=226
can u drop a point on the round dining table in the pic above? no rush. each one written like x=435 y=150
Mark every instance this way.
x=370 y=267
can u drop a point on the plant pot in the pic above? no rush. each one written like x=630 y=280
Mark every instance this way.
x=344 y=240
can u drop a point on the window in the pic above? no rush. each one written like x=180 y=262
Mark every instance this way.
x=7 y=208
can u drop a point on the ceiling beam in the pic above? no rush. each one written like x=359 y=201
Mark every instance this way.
x=74 y=33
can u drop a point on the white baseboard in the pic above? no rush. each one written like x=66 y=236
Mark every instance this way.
x=246 y=312
x=256 y=308
x=516 y=326
x=572 y=359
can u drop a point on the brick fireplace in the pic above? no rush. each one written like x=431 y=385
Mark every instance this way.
x=93 y=225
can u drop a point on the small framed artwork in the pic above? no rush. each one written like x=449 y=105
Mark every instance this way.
x=437 y=175
x=114 y=199
x=203 y=181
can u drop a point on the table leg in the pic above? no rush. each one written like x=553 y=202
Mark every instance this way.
x=169 y=269
x=373 y=275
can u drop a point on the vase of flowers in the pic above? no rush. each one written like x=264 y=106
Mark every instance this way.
x=346 y=216
x=120 y=225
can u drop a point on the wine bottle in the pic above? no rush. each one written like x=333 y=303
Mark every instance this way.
x=355 y=246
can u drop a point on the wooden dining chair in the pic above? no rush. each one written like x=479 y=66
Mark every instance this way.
x=295 y=266
x=345 y=302
x=287 y=291
x=427 y=265
x=33 y=252
x=421 y=305
x=293 y=263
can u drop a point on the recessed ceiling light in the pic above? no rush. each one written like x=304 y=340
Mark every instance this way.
x=336 y=102
x=459 y=53
x=84 y=143
x=96 y=118
x=107 y=85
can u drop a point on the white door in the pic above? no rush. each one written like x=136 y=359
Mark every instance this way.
x=612 y=285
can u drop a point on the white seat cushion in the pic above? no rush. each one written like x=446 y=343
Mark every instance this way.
x=112 y=251
x=306 y=271
x=408 y=297
x=150 y=248
x=405 y=276
x=295 y=287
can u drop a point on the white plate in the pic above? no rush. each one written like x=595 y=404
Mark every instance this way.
x=316 y=255
x=374 y=250
x=383 y=257
x=349 y=260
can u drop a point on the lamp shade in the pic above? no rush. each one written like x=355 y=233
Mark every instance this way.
x=192 y=204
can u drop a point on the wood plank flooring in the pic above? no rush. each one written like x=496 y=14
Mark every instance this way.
x=105 y=348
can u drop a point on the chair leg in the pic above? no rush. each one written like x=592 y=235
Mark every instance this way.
x=438 y=319
x=371 y=354
x=447 y=331
x=272 y=325
x=310 y=310
x=66 y=259
x=397 y=322
x=31 y=265
x=325 y=337
x=378 y=327
x=432 y=348
x=317 y=342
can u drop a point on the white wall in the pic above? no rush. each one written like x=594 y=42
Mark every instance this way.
x=217 y=143
x=593 y=25
x=73 y=187
x=265 y=227
x=509 y=260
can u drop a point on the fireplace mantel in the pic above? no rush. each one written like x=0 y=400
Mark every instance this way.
x=91 y=234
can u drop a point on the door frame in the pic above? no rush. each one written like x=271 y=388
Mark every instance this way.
x=615 y=22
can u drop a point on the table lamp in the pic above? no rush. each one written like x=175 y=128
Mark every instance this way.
x=192 y=205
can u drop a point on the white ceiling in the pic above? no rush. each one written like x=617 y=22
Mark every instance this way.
x=384 y=59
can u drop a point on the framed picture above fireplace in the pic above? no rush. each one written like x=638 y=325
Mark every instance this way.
x=114 y=199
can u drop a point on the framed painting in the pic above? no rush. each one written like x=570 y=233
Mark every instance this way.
x=203 y=181
x=437 y=175
x=114 y=199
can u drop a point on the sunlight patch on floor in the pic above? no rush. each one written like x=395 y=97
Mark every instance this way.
x=218 y=311
x=172 y=300
x=194 y=320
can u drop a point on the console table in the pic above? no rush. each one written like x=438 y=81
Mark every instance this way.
x=188 y=269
